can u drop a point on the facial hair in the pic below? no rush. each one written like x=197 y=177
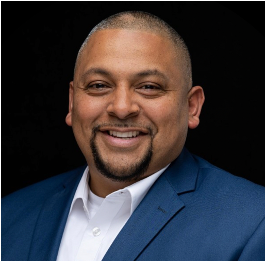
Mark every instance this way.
x=126 y=174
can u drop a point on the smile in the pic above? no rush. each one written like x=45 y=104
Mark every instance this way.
x=123 y=138
x=124 y=134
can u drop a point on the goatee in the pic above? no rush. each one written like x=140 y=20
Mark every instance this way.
x=127 y=173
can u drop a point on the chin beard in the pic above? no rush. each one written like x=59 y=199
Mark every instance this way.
x=127 y=173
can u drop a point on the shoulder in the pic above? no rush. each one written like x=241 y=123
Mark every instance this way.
x=223 y=179
x=33 y=195
x=228 y=189
x=21 y=210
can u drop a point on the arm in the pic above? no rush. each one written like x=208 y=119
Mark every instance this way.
x=254 y=250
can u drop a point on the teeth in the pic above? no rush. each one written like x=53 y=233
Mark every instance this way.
x=124 y=134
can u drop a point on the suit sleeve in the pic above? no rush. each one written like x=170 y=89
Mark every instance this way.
x=254 y=250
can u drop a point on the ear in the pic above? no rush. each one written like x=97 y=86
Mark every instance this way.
x=195 y=102
x=70 y=104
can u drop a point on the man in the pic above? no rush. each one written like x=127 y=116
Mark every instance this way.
x=143 y=196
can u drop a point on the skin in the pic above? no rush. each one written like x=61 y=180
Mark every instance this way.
x=130 y=80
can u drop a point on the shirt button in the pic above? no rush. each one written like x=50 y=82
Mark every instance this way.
x=96 y=231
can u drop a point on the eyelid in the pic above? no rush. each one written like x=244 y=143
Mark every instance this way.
x=91 y=85
x=92 y=90
x=150 y=93
x=98 y=83
x=154 y=87
x=157 y=86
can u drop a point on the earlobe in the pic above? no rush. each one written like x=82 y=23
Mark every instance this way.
x=70 y=105
x=69 y=119
x=195 y=102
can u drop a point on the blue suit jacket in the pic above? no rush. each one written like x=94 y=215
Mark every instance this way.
x=194 y=211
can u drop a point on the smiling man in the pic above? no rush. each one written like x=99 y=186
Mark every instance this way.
x=143 y=196
x=130 y=105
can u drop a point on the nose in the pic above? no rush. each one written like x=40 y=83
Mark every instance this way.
x=122 y=104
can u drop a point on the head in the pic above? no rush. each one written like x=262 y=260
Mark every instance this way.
x=131 y=101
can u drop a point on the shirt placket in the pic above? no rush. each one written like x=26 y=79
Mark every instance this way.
x=98 y=227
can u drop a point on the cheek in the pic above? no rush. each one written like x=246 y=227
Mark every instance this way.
x=86 y=110
x=171 y=120
x=85 y=113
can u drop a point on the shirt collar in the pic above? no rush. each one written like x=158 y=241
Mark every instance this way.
x=137 y=190
x=82 y=191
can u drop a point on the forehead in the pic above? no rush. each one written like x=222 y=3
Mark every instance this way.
x=116 y=36
x=128 y=50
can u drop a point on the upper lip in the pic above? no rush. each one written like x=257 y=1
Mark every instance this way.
x=124 y=129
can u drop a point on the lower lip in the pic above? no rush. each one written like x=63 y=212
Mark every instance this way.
x=122 y=142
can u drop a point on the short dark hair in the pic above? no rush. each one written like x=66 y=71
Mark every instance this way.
x=139 y=20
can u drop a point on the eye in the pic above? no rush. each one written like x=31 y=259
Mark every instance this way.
x=149 y=87
x=97 y=86
x=150 y=90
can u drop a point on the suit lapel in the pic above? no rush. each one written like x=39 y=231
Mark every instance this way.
x=51 y=222
x=146 y=221
x=159 y=205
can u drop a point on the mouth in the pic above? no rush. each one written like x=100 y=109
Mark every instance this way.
x=123 y=137
x=124 y=133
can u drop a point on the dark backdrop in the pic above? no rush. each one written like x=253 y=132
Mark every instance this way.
x=40 y=41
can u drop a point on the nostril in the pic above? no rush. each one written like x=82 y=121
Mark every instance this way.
x=123 y=112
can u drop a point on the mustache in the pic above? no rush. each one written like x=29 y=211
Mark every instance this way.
x=152 y=130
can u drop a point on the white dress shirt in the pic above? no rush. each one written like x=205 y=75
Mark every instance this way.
x=94 y=222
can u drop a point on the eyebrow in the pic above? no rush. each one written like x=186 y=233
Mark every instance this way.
x=153 y=72
x=98 y=71
x=101 y=71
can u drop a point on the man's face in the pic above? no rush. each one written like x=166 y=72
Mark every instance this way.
x=128 y=104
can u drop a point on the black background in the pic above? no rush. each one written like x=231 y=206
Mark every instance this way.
x=40 y=41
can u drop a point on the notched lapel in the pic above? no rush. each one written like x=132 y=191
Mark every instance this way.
x=146 y=221
x=159 y=205
x=51 y=222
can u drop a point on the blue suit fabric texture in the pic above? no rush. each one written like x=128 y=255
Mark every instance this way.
x=193 y=212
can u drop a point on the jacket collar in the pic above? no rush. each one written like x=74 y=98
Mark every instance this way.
x=183 y=172
x=159 y=205
x=52 y=219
